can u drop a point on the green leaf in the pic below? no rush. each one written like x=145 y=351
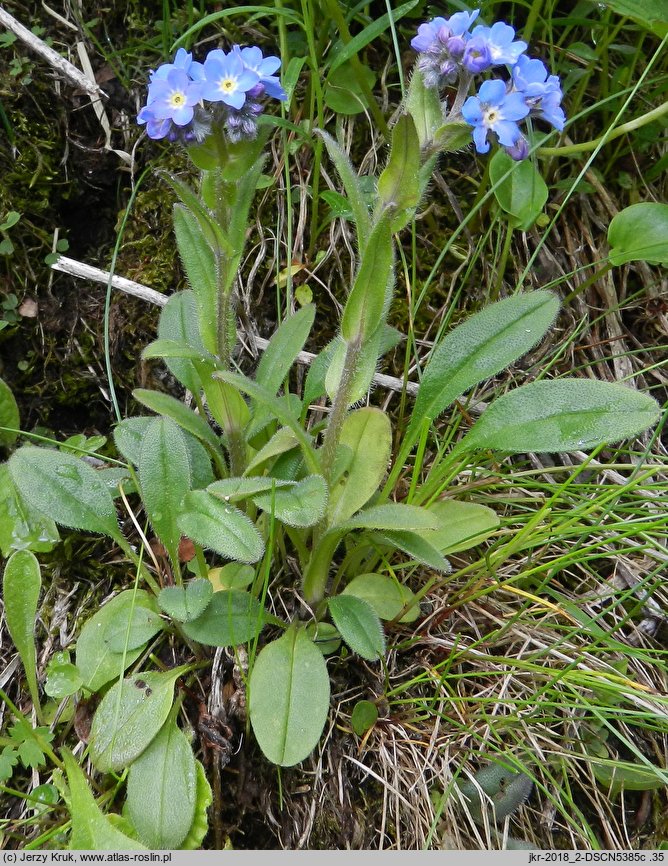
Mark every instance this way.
x=21 y=585
x=231 y=618
x=394 y=516
x=363 y=717
x=289 y=698
x=234 y=575
x=461 y=525
x=504 y=785
x=91 y=829
x=639 y=233
x=358 y=625
x=9 y=758
x=9 y=415
x=325 y=636
x=200 y=265
x=163 y=404
x=351 y=184
x=562 y=415
x=203 y=799
x=282 y=442
x=368 y=434
x=399 y=183
x=519 y=189
x=343 y=92
x=286 y=343
x=386 y=596
x=424 y=105
x=418 y=548
x=164 y=476
x=62 y=677
x=652 y=14
x=162 y=789
x=617 y=776
x=261 y=395
x=365 y=307
x=477 y=350
x=64 y=488
x=220 y=527
x=132 y=632
x=186 y=603
x=178 y=321
x=301 y=504
x=238 y=489
x=129 y=436
x=94 y=657
x=129 y=717
x=367 y=362
x=22 y=527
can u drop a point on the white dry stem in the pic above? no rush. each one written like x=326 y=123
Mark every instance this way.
x=87 y=272
x=73 y=75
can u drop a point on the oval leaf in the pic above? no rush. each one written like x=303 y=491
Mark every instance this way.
x=368 y=434
x=387 y=597
x=178 y=321
x=200 y=266
x=286 y=343
x=94 y=657
x=186 y=603
x=562 y=415
x=480 y=348
x=91 y=828
x=164 y=776
x=220 y=527
x=129 y=717
x=358 y=625
x=395 y=516
x=301 y=504
x=232 y=617
x=21 y=585
x=461 y=525
x=164 y=476
x=640 y=233
x=163 y=404
x=64 y=488
x=519 y=189
x=289 y=698
x=9 y=415
x=22 y=527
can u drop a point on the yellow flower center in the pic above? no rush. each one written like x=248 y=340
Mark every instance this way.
x=227 y=85
x=177 y=99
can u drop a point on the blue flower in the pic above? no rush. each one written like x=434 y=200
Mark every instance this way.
x=264 y=67
x=227 y=79
x=434 y=34
x=495 y=110
x=541 y=91
x=173 y=96
x=499 y=41
x=183 y=60
x=441 y=44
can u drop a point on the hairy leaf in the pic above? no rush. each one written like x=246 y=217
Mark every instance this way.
x=358 y=625
x=21 y=585
x=64 y=488
x=129 y=717
x=562 y=415
x=232 y=617
x=220 y=526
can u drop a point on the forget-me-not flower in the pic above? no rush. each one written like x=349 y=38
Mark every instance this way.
x=227 y=79
x=541 y=91
x=499 y=40
x=495 y=110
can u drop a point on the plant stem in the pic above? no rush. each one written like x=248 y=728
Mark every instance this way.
x=585 y=146
x=340 y=408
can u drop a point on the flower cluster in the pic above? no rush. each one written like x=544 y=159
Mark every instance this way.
x=233 y=84
x=451 y=50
